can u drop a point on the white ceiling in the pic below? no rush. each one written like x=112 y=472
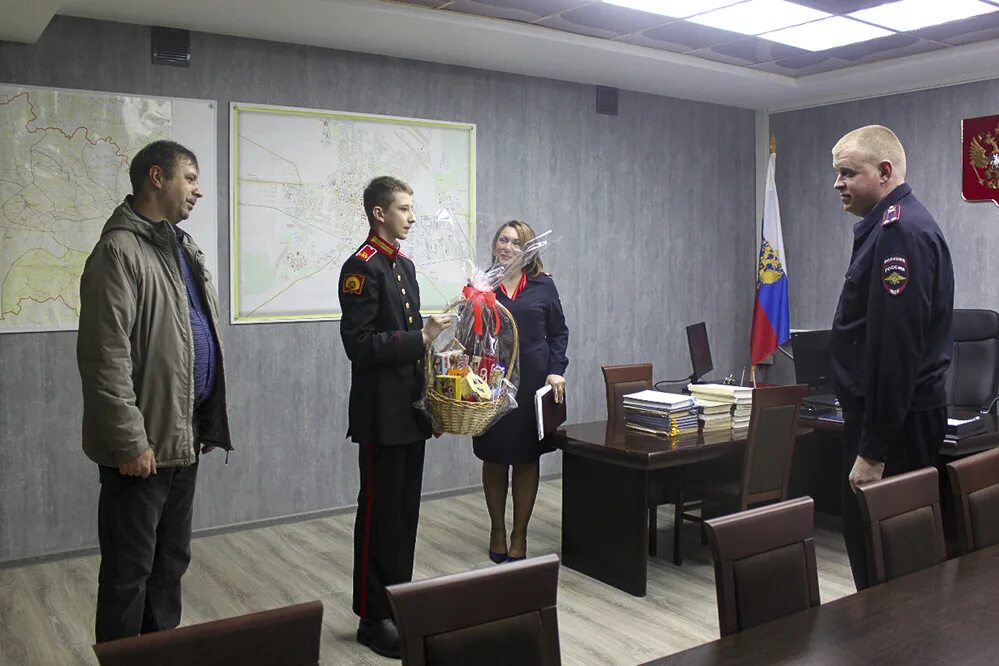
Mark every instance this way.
x=406 y=31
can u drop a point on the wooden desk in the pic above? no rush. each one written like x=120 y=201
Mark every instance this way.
x=606 y=476
x=966 y=446
x=946 y=614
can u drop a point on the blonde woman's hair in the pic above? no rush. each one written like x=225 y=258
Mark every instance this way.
x=525 y=233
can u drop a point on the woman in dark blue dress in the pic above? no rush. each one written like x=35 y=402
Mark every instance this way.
x=531 y=297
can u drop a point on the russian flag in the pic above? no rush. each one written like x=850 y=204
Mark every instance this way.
x=771 y=322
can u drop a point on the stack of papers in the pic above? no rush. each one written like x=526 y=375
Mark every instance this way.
x=657 y=412
x=714 y=415
x=738 y=398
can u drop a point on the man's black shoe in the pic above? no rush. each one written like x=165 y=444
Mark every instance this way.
x=381 y=636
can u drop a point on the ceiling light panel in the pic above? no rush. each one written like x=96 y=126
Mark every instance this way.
x=915 y=14
x=758 y=16
x=673 y=8
x=826 y=34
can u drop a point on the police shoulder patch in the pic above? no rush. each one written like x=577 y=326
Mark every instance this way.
x=895 y=274
x=352 y=283
x=366 y=252
x=892 y=214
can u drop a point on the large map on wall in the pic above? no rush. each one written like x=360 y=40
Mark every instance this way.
x=297 y=177
x=64 y=159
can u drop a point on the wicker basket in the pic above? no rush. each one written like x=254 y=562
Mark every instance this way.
x=458 y=416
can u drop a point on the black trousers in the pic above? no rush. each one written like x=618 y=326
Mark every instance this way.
x=388 y=510
x=144 y=528
x=917 y=446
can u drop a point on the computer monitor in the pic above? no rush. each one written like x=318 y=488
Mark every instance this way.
x=811 y=360
x=700 y=350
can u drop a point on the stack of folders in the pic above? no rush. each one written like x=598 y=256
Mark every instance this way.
x=714 y=415
x=740 y=398
x=657 y=412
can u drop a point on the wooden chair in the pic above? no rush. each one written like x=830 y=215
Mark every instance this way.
x=902 y=524
x=500 y=615
x=286 y=636
x=766 y=463
x=620 y=380
x=974 y=481
x=764 y=563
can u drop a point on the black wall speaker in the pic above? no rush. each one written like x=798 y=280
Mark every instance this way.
x=171 y=46
x=606 y=101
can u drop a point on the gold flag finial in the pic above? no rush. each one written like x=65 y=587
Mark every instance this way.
x=773 y=144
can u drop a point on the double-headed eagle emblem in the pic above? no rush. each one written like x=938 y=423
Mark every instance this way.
x=770 y=267
x=983 y=156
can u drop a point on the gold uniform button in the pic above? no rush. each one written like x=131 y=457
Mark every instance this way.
x=403 y=291
x=393 y=265
x=398 y=278
x=407 y=306
x=410 y=320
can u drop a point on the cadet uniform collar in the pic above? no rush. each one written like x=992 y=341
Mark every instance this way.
x=383 y=247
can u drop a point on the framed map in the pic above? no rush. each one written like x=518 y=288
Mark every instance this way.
x=64 y=157
x=297 y=178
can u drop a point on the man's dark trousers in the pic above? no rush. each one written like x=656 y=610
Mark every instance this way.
x=388 y=511
x=144 y=528
x=917 y=446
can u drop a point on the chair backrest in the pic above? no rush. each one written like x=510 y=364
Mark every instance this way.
x=621 y=380
x=773 y=427
x=973 y=377
x=286 y=636
x=764 y=563
x=974 y=481
x=500 y=615
x=902 y=524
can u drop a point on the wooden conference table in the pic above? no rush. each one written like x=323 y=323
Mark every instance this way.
x=946 y=614
x=607 y=474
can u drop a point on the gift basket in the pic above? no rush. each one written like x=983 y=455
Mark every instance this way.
x=471 y=369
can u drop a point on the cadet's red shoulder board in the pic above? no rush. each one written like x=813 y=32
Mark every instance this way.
x=366 y=252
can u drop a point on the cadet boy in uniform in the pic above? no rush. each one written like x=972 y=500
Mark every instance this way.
x=385 y=338
x=891 y=336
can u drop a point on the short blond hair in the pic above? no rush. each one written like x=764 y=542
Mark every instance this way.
x=875 y=143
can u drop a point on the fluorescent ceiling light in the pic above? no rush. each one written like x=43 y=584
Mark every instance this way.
x=826 y=34
x=673 y=8
x=915 y=14
x=756 y=16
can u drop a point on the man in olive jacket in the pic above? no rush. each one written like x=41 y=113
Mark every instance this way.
x=150 y=361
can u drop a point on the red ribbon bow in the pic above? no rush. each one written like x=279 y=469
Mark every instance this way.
x=478 y=300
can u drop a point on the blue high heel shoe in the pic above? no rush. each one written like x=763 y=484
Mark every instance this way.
x=498 y=558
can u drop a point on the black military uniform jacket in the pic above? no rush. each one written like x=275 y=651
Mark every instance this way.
x=891 y=336
x=381 y=333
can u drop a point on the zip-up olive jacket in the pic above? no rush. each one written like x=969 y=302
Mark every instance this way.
x=135 y=348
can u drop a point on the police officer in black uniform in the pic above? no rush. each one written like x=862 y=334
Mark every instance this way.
x=385 y=338
x=891 y=336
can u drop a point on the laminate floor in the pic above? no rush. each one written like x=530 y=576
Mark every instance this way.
x=46 y=610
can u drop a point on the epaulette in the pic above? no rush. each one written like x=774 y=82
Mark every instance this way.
x=892 y=214
x=366 y=252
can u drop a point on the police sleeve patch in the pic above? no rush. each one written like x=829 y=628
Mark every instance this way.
x=353 y=283
x=895 y=275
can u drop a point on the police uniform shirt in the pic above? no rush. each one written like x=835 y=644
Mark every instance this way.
x=891 y=336
x=381 y=332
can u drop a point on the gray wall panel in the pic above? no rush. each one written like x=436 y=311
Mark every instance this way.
x=818 y=235
x=654 y=209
